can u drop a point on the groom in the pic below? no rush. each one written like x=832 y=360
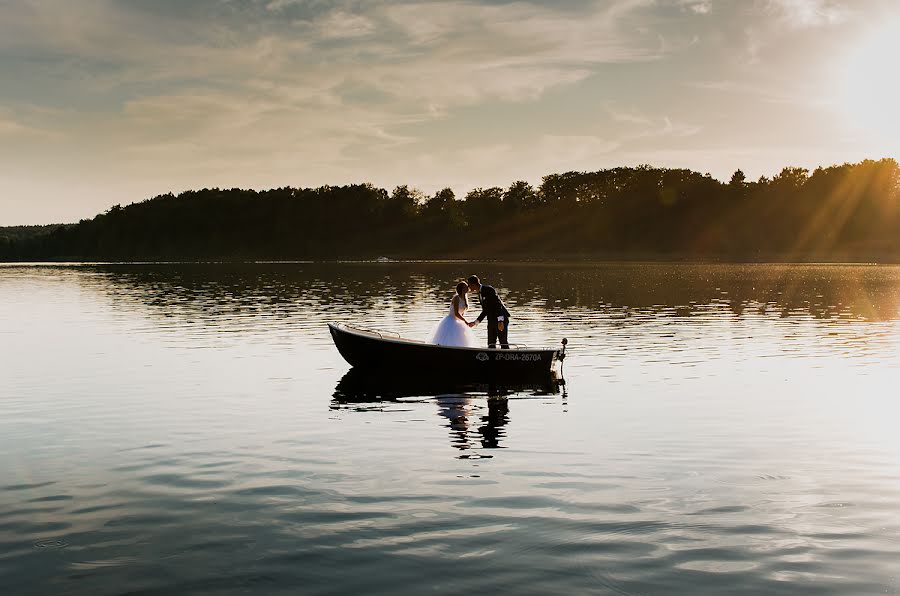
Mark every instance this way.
x=492 y=308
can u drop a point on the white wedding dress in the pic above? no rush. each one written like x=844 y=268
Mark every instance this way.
x=451 y=331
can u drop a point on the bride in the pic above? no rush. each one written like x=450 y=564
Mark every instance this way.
x=453 y=330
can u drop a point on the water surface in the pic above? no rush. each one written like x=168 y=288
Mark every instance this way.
x=191 y=429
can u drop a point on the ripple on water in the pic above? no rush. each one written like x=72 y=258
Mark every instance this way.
x=18 y=487
x=182 y=481
x=723 y=430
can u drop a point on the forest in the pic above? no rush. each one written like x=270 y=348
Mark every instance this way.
x=848 y=212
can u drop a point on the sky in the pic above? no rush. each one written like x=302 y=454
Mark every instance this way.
x=107 y=102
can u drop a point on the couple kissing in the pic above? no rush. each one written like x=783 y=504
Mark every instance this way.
x=454 y=330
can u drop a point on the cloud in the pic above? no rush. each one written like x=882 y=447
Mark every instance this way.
x=626 y=115
x=676 y=129
x=568 y=151
x=529 y=48
x=261 y=92
x=26 y=124
x=9 y=127
x=697 y=6
x=802 y=14
x=502 y=163
x=277 y=5
x=339 y=24
x=245 y=70
x=803 y=98
x=772 y=22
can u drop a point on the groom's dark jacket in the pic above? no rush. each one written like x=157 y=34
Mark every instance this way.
x=491 y=306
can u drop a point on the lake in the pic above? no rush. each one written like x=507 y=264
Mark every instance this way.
x=190 y=429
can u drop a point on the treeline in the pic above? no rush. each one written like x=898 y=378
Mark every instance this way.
x=15 y=233
x=842 y=212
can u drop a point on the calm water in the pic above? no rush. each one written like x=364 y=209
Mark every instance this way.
x=190 y=429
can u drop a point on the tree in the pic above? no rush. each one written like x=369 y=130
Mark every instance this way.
x=483 y=206
x=519 y=197
x=839 y=211
x=791 y=177
x=404 y=202
x=560 y=189
x=440 y=203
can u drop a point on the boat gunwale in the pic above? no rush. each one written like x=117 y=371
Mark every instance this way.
x=377 y=335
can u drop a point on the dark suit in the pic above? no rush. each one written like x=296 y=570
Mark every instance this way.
x=493 y=308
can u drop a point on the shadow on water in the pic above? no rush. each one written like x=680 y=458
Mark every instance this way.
x=460 y=404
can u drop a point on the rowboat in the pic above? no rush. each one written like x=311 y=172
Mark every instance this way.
x=383 y=351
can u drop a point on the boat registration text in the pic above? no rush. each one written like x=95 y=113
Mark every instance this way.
x=505 y=355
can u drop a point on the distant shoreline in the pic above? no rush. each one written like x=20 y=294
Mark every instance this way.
x=846 y=213
x=512 y=260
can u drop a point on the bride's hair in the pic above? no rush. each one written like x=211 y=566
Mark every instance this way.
x=461 y=288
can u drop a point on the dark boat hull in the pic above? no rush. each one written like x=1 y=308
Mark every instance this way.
x=374 y=351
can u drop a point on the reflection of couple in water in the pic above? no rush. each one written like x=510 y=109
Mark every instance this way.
x=460 y=405
x=460 y=411
x=454 y=330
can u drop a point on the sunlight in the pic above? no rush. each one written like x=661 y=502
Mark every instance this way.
x=870 y=88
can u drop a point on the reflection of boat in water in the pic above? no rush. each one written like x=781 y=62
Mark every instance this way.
x=364 y=348
x=362 y=386
x=471 y=419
